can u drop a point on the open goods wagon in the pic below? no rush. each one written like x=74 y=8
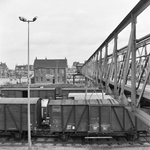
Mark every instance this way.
x=92 y=119
x=14 y=116
x=88 y=96
x=65 y=91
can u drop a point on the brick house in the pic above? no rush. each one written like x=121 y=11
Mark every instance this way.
x=50 y=70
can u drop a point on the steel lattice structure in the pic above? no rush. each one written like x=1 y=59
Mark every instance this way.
x=126 y=68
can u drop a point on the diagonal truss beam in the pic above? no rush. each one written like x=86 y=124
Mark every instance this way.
x=130 y=56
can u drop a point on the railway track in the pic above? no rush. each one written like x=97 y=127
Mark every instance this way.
x=77 y=142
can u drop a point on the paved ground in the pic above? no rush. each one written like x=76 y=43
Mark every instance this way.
x=87 y=147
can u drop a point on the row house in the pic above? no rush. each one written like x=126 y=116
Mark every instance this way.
x=50 y=70
x=3 y=70
x=22 y=70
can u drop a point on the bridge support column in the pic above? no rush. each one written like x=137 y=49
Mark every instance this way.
x=115 y=66
x=133 y=70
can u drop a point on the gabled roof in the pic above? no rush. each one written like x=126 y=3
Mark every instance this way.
x=3 y=65
x=50 y=63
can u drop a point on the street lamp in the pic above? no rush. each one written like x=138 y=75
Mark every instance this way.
x=29 y=132
x=57 y=61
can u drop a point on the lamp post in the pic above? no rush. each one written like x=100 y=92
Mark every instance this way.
x=57 y=61
x=29 y=131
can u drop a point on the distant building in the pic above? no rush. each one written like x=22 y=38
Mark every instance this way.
x=11 y=73
x=76 y=76
x=22 y=70
x=78 y=66
x=50 y=70
x=3 y=70
x=75 y=63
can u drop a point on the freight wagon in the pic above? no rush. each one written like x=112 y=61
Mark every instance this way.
x=92 y=119
x=34 y=92
x=103 y=118
x=14 y=116
x=52 y=93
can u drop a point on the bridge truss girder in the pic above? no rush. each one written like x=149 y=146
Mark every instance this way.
x=128 y=64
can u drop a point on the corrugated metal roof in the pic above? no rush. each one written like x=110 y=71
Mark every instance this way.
x=82 y=89
x=24 y=89
x=81 y=102
x=67 y=102
x=18 y=100
x=94 y=102
x=50 y=63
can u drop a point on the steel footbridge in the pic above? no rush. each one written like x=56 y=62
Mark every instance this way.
x=124 y=72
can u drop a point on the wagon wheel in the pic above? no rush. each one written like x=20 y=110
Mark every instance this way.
x=25 y=135
x=46 y=130
x=17 y=135
x=64 y=137
x=135 y=136
x=132 y=137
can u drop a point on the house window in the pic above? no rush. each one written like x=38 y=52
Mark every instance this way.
x=42 y=70
x=61 y=71
x=48 y=79
x=36 y=78
x=41 y=78
x=39 y=70
x=51 y=71
x=48 y=71
x=36 y=71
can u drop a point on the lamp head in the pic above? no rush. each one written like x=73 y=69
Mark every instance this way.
x=35 y=18
x=23 y=19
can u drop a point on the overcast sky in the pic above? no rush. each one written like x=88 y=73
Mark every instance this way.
x=65 y=28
